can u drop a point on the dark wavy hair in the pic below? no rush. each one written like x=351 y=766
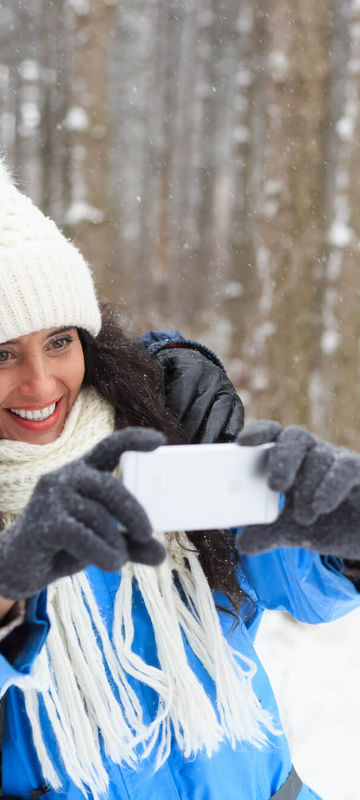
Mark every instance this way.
x=122 y=372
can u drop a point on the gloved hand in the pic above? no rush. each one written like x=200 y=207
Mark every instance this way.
x=200 y=395
x=321 y=483
x=67 y=524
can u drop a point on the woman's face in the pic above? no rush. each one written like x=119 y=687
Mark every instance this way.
x=40 y=377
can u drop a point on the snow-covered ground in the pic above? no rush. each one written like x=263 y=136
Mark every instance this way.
x=315 y=673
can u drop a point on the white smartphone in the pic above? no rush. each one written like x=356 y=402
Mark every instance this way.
x=202 y=486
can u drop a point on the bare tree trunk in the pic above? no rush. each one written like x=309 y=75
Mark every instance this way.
x=88 y=125
x=337 y=386
x=290 y=209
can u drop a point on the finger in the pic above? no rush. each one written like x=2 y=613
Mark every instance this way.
x=82 y=543
x=216 y=419
x=64 y=564
x=256 y=539
x=95 y=516
x=106 y=454
x=315 y=468
x=235 y=422
x=259 y=432
x=200 y=402
x=225 y=417
x=285 y=532
x=342 y=477
x=184 y=372
x=152 y=553
x=119 y=502
x=141 y=546
x=354 y=496
x=286 y=457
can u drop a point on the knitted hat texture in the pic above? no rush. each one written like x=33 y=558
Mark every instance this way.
x=44 y=280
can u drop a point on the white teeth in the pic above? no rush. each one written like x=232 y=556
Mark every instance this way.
x=37 y=415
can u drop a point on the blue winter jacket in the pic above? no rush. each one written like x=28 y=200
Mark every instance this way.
x=288 y=579
x=308 y=586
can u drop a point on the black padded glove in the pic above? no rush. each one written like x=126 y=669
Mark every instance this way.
x=321 y=482
x=69 y=522
x=200 y=395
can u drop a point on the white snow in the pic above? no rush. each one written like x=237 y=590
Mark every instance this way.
x=340 y=234
x=330 y=341
x=7 y=126
x=273 y=187
x=81 y=7
x=268 y=328
x=30 y=117
x=218 y=336
x=315 y=673
x=245 y=20
x=233 y=289
x=270 y=208
x=316 y=392
x=345 y=128
x=241 y=134
x=354 y=31
x=205 y=18
x=29 y=70
x=244 y=77
x=265 y=302
x=353 y=66
x=333 y=267
x=343 y=180
x=278 y=64
x=259 y=379
x=76 y=119
x=4 y=77
x=355 y=6
x=83 y=212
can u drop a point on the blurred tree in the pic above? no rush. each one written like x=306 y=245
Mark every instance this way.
x=335 y=404
x=289 y=252
x=88 y=30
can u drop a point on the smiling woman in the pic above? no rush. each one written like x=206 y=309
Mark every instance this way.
x=128 y=678
x=40 y=377
x=65 y=385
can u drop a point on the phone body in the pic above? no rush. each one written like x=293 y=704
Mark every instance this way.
x=201 y=487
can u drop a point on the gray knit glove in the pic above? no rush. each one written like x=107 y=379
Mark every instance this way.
x=79 y=515
x=321 y=483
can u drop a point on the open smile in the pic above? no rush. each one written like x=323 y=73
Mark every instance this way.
x=36 y=418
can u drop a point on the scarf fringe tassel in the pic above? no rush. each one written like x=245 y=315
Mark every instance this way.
x=89 y=699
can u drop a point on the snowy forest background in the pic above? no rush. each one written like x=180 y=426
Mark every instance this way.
x=204 y=154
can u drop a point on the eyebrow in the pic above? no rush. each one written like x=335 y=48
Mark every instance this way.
x=53 y=333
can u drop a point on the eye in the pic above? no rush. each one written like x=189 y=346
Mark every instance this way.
x=61 y=342
x=5 y=355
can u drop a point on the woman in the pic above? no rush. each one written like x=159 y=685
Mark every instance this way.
x=123 y=679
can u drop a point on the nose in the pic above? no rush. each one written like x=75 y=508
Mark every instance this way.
x=37 y=382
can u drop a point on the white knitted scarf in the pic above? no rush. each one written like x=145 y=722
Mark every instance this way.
x=80 y=680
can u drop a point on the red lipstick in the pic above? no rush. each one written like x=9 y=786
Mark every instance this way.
x=37 y=425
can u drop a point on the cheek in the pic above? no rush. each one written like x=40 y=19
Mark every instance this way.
x=6 y=388
x=75 y=372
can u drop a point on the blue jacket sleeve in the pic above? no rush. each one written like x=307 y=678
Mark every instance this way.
x=32 y=633
x=307 y=585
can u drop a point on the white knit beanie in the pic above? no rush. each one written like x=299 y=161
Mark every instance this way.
x=44 y=280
